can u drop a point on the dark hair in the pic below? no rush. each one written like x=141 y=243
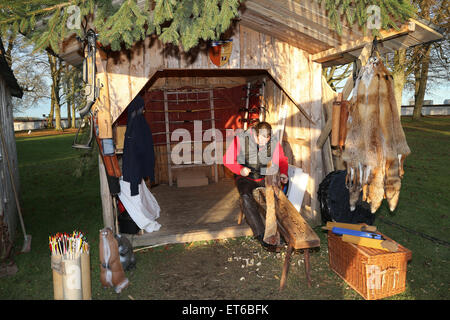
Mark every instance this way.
x=263 y=126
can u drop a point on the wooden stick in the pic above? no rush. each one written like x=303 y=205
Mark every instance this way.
x=335 y=123
x=351 y=226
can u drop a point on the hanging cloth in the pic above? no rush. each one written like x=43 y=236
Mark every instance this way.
x=138 y=159
x=142 y=208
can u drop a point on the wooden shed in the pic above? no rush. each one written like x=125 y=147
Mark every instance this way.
x=8 y=209
x=278 y=51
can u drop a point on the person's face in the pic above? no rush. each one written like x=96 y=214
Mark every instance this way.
x=263 y=137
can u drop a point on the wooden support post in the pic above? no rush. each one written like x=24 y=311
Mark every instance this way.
x=107 y=205
x=166 y=117
x=307 y=267
x=213 y=127
x=103 y=102
x=247 y=99
x=287 y=262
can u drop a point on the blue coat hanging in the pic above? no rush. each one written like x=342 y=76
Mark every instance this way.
x=138 y=159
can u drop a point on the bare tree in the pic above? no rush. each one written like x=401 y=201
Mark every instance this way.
x=336 y=74
x=56 y=71
x=426 y=65
x=32 y=73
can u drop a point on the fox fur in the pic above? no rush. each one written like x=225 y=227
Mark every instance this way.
x=375 y=145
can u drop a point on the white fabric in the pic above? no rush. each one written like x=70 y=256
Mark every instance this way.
x=298 y=180
x=142 y=208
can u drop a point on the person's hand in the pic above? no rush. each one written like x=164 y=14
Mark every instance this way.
x=245 y=171
x=284 y=179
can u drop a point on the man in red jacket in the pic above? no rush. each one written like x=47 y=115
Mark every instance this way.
x=247 y=157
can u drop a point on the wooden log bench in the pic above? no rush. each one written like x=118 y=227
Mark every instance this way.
x=294 y=229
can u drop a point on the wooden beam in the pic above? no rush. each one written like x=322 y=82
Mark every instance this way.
x=219 y=231
x=284 y=17
x=295 y=38
x=360 y=43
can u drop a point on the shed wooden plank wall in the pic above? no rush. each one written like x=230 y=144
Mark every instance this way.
x=8 y=206
x=295 y=80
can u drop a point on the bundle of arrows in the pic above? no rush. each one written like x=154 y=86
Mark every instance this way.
x=70 y=246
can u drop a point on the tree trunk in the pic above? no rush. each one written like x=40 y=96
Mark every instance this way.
x=55 y=70
x=51 y=113
x=58 y=117
x=69 y=116
x=399 y=76
x=421 y=77
x=74 y=118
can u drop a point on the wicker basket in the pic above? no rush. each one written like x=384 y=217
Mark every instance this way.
x=373 y=273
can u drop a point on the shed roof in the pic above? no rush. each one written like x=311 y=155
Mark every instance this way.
x=8 y=75
x=305 y=25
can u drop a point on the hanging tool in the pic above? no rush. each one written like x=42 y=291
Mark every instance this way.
x=27 y=238
x=91 y=90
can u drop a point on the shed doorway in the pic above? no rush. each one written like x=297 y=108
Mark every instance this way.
x=198 y=200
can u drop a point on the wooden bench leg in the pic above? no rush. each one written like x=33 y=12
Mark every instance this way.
x=287 y=261
x=307 y=267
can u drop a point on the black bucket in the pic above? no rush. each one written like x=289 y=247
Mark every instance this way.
x=126 y=224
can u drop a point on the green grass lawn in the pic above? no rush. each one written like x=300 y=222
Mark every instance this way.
x=58 y=196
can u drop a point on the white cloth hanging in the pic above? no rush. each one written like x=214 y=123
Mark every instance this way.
x=142 y=208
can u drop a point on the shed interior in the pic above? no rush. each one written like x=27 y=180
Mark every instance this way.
x=199 y=201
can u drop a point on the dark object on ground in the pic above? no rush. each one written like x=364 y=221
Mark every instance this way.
x=334 y=201
x=126 y=223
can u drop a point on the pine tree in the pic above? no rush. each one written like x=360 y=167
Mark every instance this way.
x=392 y=13
x=181 y=22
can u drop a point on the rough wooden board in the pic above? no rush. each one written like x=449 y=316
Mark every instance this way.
x=184 y=236
x=361 y=42
x=270 y=232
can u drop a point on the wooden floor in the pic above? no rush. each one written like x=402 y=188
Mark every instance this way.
x=195 y=214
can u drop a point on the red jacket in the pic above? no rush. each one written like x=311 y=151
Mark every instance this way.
x=230 y=158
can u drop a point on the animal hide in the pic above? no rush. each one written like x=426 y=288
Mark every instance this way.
x=111 y=270
x=127 y=258
x=375 y=145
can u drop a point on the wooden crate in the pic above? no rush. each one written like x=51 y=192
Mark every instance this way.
x=373 y=273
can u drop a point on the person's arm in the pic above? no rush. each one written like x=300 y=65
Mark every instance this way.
x=280 y=159
x=230 y=157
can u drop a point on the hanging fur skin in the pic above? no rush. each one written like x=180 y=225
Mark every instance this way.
x=375 y=145
x=111 y=270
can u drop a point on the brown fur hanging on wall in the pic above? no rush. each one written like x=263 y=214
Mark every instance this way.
x=375 y=146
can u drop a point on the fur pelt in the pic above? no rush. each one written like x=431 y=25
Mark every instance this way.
x=111 y=270
x=375 y=145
